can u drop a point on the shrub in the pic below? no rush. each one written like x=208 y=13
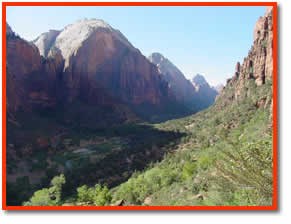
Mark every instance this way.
x=189 y=170
x=85 y=194
x=101 y=195
x=41 y=198
x=204 y=162
x=98 y=195
x=138 y=187
x=127 y=191
x=248 y=169
x=48 y=196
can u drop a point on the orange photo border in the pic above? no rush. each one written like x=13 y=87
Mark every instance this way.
x=275 y=159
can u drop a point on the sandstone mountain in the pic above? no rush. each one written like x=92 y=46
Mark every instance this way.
x=87 y=73
x=199 y=80
x=44 y=41
x=181 y=87
x=256 y=71
x=197 y=95
x=96 y=56
x=205 y=93
x=28 y=77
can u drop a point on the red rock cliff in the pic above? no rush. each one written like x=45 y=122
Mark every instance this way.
x=259 y=62
x=101 y=56
x=257 y=67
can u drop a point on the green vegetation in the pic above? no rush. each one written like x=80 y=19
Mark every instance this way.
x=189 y=170
x=48 y=196
x=98 y=195
x=142 y=185
x=249 y=171
x=219 y=156
x=225 y=158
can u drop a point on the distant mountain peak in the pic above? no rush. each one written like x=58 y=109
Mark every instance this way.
x=159 y=59
x=45 y=41
x=199 y=80
x=197 y=95
x=165 y=66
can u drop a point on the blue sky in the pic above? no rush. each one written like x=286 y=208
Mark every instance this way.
x=205 y=40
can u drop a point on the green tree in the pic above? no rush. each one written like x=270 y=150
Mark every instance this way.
x=41 y=198
x=56 y=189
x=98 y=195
x=84 y=194
x=48 y=196
x=102 y=195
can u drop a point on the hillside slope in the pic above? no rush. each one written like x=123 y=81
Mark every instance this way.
x=226 y=157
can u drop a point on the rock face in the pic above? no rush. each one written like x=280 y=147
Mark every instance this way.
x=257 y=66
x=256 y=71
x=97 y=56
x=45 y=41
x=31 y=81
x=259 y=62
x=86 y=73
x=23 y=59
x=72 y=37
x=196 y=95
x=183 y=91
x=205 y=93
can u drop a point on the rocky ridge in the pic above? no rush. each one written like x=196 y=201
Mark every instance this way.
x=199 y=80
x=181 y=87
x=98 y=56
x=205 y=93
x=87 y=68
x=256 y=71
x=196 y=95
x=258 y=65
